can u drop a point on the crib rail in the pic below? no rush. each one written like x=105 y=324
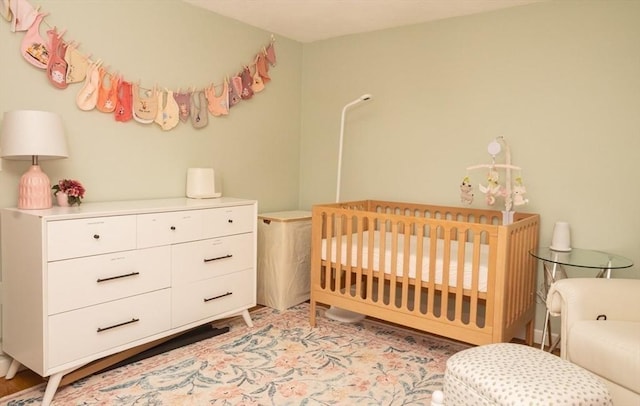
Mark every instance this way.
x=437 y=268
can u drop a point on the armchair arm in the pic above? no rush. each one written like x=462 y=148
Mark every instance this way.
x=575 y=299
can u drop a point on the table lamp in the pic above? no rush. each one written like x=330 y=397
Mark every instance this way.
x=33 y=135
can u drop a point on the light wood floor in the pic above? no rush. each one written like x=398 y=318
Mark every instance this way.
x=23 y=380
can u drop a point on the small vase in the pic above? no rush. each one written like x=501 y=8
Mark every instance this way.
x=63 y=199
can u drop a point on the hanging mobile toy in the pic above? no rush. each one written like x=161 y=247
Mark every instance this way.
x=512 y=192
x=466 y=191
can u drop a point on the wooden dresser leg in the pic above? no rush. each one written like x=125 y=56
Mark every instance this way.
x=247 y=318
x=13 y=369
x=52 y=387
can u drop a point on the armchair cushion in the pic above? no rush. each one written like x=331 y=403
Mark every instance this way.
x=609 y=348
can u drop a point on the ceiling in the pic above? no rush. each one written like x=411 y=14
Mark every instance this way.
x=313 y=20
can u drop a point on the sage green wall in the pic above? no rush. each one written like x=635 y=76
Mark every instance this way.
x=254 y=150
x=560 y=80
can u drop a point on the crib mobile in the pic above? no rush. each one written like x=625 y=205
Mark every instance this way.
x=512 y=191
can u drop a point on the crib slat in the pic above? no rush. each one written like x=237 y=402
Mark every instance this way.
x=393 y=262
x=370 y=273
x=419 y=264
x=475 y=281
x=359 y=265
x=461 y=238
x=382 y=259
x=406 y=269
x=433 y=244
x=446 y=267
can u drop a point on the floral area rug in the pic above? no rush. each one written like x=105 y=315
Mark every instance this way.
x=282 y=360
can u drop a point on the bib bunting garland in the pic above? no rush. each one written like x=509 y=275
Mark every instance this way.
x=110 y=93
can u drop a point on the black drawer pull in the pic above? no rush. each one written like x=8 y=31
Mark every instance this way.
x=173 y=228
x=117 y=277
x=230 y=220
x=101 y=329
x=218 y=258
x=96 y=236
x=218 y=297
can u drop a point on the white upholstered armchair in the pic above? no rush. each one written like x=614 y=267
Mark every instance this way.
x=609 y=348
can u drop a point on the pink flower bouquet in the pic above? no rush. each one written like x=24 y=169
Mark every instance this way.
x=73 y=189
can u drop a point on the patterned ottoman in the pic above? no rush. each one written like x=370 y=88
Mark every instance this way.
x=514 y=374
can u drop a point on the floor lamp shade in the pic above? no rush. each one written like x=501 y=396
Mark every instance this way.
x=33 y=135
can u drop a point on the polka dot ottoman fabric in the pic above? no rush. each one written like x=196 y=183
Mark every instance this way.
x=514 y=374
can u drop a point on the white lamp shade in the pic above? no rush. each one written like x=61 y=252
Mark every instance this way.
x=28 y=133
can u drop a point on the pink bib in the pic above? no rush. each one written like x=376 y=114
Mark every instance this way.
x=258 y=84
x=88 y=96
x=235 y=90
x=184 y=105
x=34 y=48
x=199 y=115
x=168 y=113
x=145 y=108
x=77 y=64
x=270 y=53
x=124 y=105
x=263 y=67
x=23 y=15
x=107 y=92
x=218 y=105
x=247 y=81
x=57 y=66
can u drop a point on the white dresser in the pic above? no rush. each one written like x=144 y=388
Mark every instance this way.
x=84 y=282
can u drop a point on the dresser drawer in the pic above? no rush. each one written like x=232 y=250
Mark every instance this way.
x=82 y=282
x=228 y=220
x=84 y=237
x=81 y=333
x=212 y=297
x=169 y=228
x=205 y=259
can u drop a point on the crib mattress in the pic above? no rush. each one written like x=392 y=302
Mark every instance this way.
x=399 y=264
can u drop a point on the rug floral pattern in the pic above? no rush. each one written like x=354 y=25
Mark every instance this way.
x=280 y=361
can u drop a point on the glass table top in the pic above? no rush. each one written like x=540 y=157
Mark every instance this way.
x=582 y=258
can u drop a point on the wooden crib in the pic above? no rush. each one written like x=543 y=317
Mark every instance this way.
x=455 y=272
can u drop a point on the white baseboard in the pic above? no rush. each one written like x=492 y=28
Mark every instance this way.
x=537 y=337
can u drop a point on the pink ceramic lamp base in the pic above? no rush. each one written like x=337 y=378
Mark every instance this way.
x=34 y=190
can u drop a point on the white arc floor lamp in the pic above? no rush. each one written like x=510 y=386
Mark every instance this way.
x=336 y=313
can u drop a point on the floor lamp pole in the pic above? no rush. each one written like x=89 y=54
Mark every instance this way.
x=336 y=313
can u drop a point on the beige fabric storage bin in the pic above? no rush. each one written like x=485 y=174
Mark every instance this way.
x=284 y=250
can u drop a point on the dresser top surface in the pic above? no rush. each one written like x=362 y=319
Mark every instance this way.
x=124 y=207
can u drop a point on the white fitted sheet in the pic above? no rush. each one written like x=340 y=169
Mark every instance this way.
x=453 y=263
